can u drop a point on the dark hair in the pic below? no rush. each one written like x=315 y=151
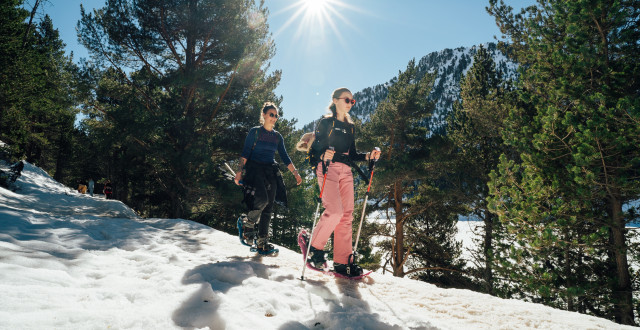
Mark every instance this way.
x=332 y=107
x=265 y=108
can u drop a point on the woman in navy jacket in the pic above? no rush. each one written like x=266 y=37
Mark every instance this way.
x=261 y=177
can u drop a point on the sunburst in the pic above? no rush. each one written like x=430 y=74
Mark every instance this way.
x=314 y=16
x=315 y=7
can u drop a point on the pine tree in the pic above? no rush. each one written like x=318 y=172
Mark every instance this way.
x=13 y=122
x=578 y=145
x=435 y=208
x=182 y=83
x=36 y=89
x=57 y=109
x=475 y=127
x=397 y=126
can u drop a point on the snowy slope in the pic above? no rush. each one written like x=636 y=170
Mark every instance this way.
x=69 y=261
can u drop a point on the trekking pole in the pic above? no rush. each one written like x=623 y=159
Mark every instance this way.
x=232 y=173
x=230 y=170
x=372 y=165
x=325 y=165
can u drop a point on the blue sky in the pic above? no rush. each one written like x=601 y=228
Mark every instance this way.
x=325 y=44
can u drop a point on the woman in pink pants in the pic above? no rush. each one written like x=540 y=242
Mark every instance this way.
x=336 y=130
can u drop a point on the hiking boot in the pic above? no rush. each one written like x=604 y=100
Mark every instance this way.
x=248 y=230
x=249 y=234
x=264 y=246
x=351 y=270
x=316 y=258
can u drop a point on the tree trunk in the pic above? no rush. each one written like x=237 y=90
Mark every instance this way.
x=176 y=205
x=488 y=251
x=398 y=253
x=567 y=268
x=622 y=292
x=61 y=160
x=27 y=30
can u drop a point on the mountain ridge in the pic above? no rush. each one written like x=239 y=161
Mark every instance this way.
x=450 y=65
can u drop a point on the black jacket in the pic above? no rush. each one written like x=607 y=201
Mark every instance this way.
x=255 y=175
x=339 y=135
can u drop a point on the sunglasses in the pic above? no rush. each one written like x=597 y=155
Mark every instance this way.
x=273 y=115
x=348 y=100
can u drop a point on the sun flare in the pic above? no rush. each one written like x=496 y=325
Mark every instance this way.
x=315 y=7
x=317 y=20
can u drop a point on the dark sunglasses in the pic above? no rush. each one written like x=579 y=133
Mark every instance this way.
x=273 y=115
x=348 y=100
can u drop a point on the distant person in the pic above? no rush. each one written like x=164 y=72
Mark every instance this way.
x=16 y=171
x=107 y=190
x=336 y=130
x=18 y=167
x=91 y=186
x=261 y=177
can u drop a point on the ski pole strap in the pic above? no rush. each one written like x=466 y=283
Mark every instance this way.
x=324 y=179
x=347 y=160
x=325 y=165
x=362 y=175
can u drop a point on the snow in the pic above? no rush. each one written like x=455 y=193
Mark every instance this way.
x=70 y=261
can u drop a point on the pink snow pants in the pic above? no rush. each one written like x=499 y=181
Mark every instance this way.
x=337 y=217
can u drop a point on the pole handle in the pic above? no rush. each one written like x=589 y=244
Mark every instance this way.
x=325 y=164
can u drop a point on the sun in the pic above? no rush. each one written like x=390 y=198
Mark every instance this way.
x=315 y=7
x=317 y=20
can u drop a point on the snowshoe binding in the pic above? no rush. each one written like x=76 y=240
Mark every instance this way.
x=350 y=270
x=263 y=247
x=246 y=231
x=316 y=260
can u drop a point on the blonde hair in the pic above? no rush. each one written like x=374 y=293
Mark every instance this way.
x=265 y=108
x=332 y=107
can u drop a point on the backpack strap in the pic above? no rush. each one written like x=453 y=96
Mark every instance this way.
x=310 y=156
x=333 y=124
x=255 y=140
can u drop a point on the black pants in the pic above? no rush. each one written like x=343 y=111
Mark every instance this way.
x=261 y=184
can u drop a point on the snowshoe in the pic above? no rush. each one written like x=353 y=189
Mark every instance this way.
x=317 y=260
x=265 y=248
x=351 y=270
x=246 y=231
